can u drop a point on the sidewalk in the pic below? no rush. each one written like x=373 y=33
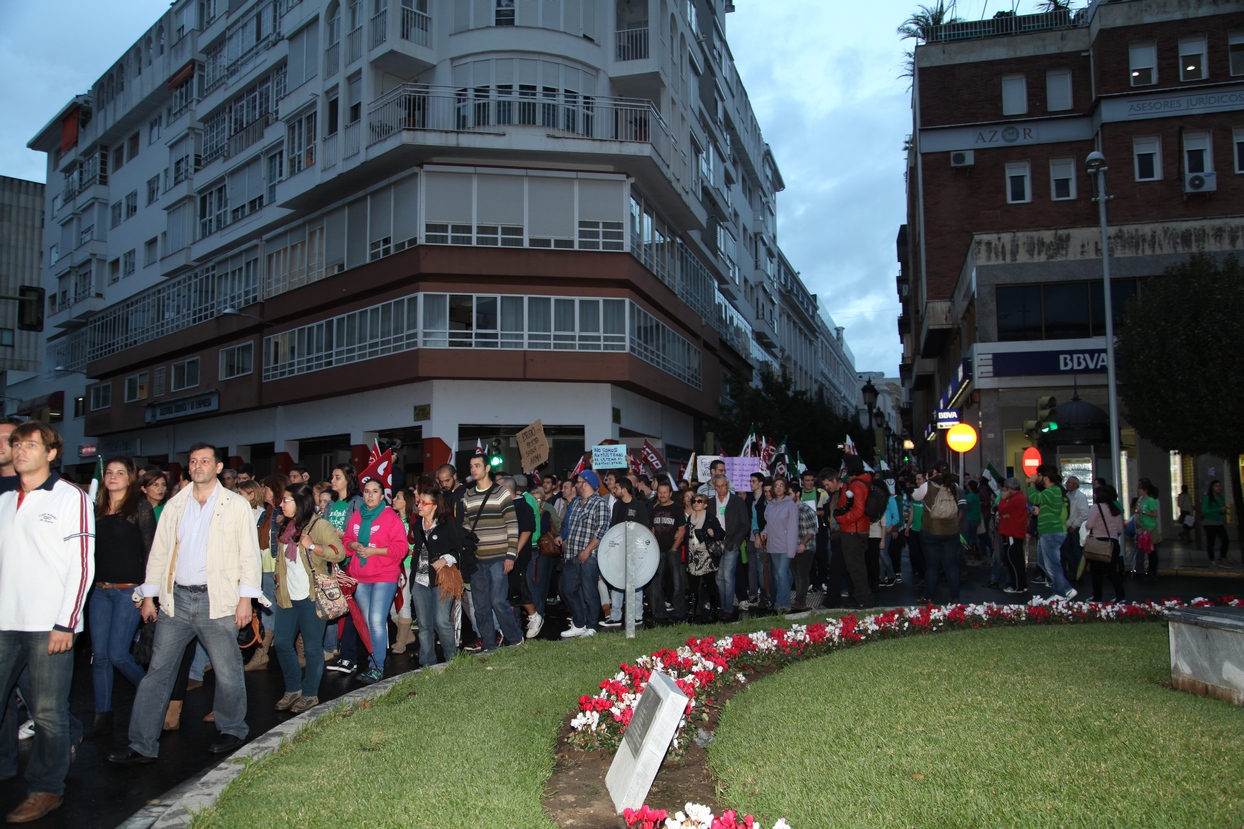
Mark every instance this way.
x=1183 y=558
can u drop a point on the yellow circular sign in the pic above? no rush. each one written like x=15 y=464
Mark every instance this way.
x=961 y=438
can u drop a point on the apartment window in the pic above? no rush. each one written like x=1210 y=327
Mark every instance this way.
x=1148 y=157
x=1018 y=183
x=151 y=252
x=132 y=146
x=185 y=375
x=127 y=263
x=131 y=205
x=101 y=396
x=301 y=143
x=153 y=189
x=153 y=130
x=1238 y=143
x=213 y=209
x=1142 y=58
x=114 y=215
x=1058 y=90
x=1192 y=59
x=1062 y=179
x=1014 y=95
x=118 y=158
x=237 y=361
x=1235 y=51
x=504 y=13
x=1058 y=310
x=136 y=387
x=1197 y=155
x=7 y=337
x=114 y=271
x=79 y=407
x=275 y=162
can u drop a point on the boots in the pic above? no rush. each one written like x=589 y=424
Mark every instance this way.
x=405 y=635
x=302 y=654
x=172 y=717
x=259 y=659
x=102 y=727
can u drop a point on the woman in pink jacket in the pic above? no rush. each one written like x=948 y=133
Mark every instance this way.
x=376 y=541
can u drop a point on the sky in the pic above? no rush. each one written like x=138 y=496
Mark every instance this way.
x=822 y=76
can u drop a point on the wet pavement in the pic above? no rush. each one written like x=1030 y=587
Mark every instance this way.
x=99 y=794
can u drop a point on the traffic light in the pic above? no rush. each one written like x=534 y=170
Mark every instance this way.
x=1047 y=414
x=495 y=457
x=31 y=300
x=1032 y=430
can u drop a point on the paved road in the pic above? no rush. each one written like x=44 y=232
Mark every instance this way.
x=102 y=795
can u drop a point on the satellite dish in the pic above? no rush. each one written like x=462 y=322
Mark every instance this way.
x=628 y=539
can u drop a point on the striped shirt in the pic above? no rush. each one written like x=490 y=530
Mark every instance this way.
x=498 y=524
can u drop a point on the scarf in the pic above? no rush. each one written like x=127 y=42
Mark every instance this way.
x=289 y=537
x=368 y=516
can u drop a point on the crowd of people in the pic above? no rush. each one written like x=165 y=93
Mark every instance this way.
x=236 y=568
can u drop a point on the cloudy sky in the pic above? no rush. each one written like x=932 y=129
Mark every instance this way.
x=823 y=77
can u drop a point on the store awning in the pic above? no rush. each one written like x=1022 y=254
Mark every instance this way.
x=52 y=402
x=180 y=76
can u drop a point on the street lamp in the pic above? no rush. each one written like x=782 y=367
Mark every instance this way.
x=1096 y=164
x=230 y=311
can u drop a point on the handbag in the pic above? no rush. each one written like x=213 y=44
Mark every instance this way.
x=330 y=601
x=548 y=545
x=470 y=540
x=1097 y=549
x=144 y=643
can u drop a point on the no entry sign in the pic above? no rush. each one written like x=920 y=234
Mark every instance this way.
x=961 y=438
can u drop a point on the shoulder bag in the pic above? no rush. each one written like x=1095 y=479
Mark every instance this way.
x=330 y=601
x=1097 y=549
x=470 y=540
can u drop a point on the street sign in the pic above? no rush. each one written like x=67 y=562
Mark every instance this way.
x=946 y=418
x=1031 y=460
x=961 y=438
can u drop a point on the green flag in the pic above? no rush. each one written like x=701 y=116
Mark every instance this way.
x=994 y=478
x=97 y=480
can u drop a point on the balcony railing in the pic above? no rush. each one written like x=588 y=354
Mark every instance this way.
x=379 y=28
x=354 y=45
x=1009 y=24
x=424 y=107
x=353 y=139
x=249 y=135
x=332 y=60
x=633 y=43
x=416 y=27
x=328 y=151
x=79 y=287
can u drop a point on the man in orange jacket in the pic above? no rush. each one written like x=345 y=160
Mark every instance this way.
x=854 y=525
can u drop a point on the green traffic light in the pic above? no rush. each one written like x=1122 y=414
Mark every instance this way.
x=495 y=461
x=1050 y=427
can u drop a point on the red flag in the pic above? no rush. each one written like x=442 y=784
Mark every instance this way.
x=682 y=469
x=582 y=465
x=633 y=461
x=768 y=452
x=652 y=457
x=380 y=468
x=479 y=446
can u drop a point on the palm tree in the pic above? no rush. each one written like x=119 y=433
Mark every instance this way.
x=1055 y=5
x=926 y=17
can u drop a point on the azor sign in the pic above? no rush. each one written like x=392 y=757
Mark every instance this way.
x=1032 y=459
x=961 y=438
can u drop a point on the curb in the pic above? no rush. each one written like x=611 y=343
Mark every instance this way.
x=176 y=808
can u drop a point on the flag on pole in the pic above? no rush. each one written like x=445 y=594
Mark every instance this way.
x=800 y=465
x=479 y=446
x=688 y=471
x=994 y=478
x=379 y=468
x=97 y=480
x=633 y=461
x=848 y=446
x=582 y=465
x=780 y=456
x=652 y=456
x=768 y=451
x=749 y=445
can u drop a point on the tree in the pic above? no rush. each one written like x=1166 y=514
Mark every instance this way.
x=778 y=410
x=1179 y=373
x=917 y=25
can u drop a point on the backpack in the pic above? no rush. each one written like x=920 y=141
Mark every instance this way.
x=944 y=505
x=876 y=503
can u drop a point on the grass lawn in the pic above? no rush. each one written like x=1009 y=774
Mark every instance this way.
x=1025 y=726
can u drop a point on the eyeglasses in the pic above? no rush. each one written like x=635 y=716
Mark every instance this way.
x=427 y=503
x=698 y=501
x=287 y=500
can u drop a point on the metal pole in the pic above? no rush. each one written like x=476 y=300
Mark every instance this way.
x=629 y=583
x=1111 y=385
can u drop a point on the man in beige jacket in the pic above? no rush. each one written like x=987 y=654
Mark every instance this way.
x=204 y=567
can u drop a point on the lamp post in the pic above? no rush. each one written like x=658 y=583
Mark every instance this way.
x=1096 y=164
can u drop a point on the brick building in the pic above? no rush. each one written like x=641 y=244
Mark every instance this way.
x=1000 y=257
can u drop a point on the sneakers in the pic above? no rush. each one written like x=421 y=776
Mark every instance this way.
x=534 y=623
x=287 y=701
x=370 y=676
x=474 y=647
x=886 y=583
x=1071 y=594
x=1011 y=589
x=304 y=704
x=898 y=578
x=744 y=604
x=27 y=730
x=610 y=623
x=573 y=632
x=588 y=632
x=343 y=666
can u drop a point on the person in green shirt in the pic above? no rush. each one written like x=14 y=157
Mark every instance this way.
x=1214 y=522
x=1147 y=522
x=1045 y=492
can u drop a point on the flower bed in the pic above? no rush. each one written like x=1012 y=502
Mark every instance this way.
x=695 y=817
x=702 y=666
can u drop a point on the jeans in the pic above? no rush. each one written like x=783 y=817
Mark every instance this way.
x=300 y=617
x=434 y=620
x=1050 y=547
x=726 y=573
x=887 y=563
x=780 y=563
x=854 y=558
x=374 y=599
x=200 y=664
x=539 y=576
x=579 y=590
x=668 y=567
x=490 y=593
x=113 y=620
x=1215 y=532
x=757 y=571
x=173 y=633
x=801 y=566
x=48 y=702
x=941 y=554
x=618 y=597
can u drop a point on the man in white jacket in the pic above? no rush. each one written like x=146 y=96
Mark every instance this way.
x=204 y=567
x=47 y=560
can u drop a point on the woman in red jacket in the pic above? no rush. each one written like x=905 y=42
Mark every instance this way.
x=376 y=540
x=1013 y=528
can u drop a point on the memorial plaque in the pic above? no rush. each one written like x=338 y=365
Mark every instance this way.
x=645 y=742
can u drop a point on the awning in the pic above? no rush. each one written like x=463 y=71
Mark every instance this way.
x=54 y=402
x=69 y=129
x=180 y=76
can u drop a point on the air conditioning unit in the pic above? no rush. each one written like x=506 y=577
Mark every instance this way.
x=963 y=158
x=1200 y=182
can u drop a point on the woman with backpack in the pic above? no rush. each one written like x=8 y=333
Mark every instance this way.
x=944 y=507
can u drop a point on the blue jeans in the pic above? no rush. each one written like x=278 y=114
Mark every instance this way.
x=726 y=573
x=1050 y=546
x=434 y=620
x=539 y=576
x=113 y=619
x=941 y=554
x=757 y=571
x=490 y=593
x=618 y=597
x=299 y=617
x=374 y=599
x=48 y=702
x=579 y=591
x=173 y=633
x=782 y=576
x=268 y=587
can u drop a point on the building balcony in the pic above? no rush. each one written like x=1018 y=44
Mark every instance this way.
x=765 y=333
x=401 y=41
x=937 y=324
x=904 y=324
x=632 y=44
x=80 y=296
